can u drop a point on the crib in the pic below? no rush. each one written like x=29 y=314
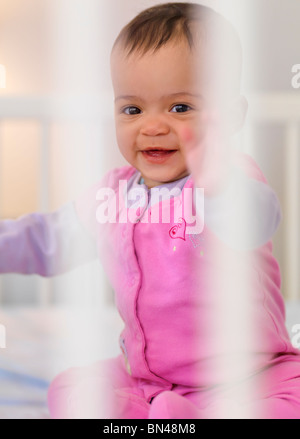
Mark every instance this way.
x=265 y=109
x=39 y=338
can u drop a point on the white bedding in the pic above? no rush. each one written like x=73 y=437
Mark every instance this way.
x=40 y=343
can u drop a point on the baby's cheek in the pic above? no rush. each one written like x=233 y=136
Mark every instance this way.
x=197 y=128
x=125 y=143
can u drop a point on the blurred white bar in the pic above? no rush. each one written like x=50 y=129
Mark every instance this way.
x=2 y=76
x=263 y=107
x=0 y=205
x=284 y=109
x=44 y=204
x=247 y=139
x=44 y=285
x=274 y=107
x=55 y=107
x=292 y=234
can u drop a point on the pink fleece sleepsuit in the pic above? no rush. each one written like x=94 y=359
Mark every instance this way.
x=165 y=278
x=162 y=275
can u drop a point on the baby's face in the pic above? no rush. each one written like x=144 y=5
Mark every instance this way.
x=157 y=96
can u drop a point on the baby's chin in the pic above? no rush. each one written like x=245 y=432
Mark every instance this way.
x=153 y=181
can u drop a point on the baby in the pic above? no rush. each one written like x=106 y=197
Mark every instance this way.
x=163 y=227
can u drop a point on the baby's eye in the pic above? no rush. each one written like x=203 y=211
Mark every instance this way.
x=180 y=108
x=131 y=110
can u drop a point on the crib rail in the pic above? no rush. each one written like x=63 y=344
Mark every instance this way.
x=283 y=109
x=274 y=108
x=45 y=111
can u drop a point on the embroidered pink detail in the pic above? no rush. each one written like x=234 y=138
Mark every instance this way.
x=178 y=231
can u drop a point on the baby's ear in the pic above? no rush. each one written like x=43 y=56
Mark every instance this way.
x=237 y=112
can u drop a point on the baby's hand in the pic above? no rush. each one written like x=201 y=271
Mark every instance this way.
x=208 y=154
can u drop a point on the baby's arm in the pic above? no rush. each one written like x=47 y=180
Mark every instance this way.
x=45 y=244
x=246 y=215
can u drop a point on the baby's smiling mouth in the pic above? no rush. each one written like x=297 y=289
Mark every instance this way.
x=157 y=154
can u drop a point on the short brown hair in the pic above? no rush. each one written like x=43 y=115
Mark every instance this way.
x=155 y=26
x=191 y=22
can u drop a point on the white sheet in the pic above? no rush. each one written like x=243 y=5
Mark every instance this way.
x=40 y=343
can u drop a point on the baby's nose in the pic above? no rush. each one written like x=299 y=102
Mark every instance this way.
x=154 y=126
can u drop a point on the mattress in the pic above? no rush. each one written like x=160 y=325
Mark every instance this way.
x=41 y=342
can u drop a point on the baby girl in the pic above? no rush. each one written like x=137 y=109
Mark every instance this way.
x=165 y=227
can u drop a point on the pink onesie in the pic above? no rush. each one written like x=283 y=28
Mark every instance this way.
x=165 y=278
x=166 y=271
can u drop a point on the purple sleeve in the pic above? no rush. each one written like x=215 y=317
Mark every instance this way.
x=46 y=244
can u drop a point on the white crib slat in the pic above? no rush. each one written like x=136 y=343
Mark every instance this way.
x=44 y=292
x=2 y=76
x=43 y=284
x=292 y=211
x=1 y=294
x=248 y=146
x=44 y=202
